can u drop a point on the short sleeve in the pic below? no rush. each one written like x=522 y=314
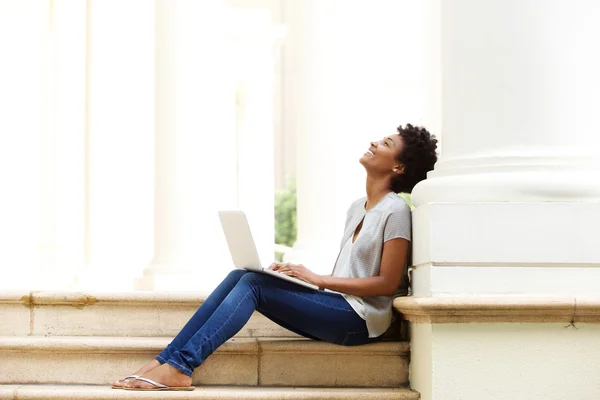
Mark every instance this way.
x=398 y=225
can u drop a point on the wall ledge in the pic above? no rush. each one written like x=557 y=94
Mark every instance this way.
x=442 y=310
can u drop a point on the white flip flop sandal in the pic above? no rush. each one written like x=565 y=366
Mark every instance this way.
x=159 y=387
x=124 y=379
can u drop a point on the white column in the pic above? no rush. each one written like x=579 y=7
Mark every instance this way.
x=21 y=124
x=520 y=145
x=353 y=72
x=119 y=143
x=195 y=147
x=513 y=206
x=63 y=146
x=255 y=43
x=519 y=103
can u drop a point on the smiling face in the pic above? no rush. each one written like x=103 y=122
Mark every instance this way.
x=381 y=156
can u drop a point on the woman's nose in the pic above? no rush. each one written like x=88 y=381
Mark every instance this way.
x=374 y=144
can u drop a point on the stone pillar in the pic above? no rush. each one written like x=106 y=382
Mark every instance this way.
x=512 y=208
x=196 y=147
x=347 y=81
x=119 y=144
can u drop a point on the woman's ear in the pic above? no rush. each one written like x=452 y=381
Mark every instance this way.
x=399 y=169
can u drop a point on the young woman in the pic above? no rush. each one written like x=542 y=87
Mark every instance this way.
x=354 y=306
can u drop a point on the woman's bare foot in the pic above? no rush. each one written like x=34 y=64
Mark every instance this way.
x=146 y=368
x=165 y=374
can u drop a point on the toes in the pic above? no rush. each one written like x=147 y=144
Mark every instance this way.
x=128 y=382
x=134 y=383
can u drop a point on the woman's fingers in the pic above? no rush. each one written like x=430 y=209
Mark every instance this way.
x=286 y=269
x=279 y=266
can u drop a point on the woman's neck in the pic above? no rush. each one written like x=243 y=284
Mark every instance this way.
x=377 y=189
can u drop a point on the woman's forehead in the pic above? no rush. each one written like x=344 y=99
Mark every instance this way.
x=397 y=139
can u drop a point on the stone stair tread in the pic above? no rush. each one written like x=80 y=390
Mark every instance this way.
x=114 y=298
x=137 y=313
x=133 y=313
x=85 y=392
x=107 y=344
x=281 y=362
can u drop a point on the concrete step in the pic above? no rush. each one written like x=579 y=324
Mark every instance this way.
x=133 y=314
x=51 y=392
x=130 y=314
x=239 y=362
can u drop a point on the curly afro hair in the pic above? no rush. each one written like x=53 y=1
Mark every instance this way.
x=418 y=157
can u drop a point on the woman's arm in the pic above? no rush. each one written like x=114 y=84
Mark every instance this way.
x=393 y=261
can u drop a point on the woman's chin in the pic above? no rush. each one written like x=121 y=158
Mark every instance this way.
x=366 y=162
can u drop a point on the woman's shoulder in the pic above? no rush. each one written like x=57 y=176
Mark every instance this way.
x=358 y=203
x=394 y=204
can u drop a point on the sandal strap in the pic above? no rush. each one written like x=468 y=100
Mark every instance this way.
x=131 y=377
x=150 y=381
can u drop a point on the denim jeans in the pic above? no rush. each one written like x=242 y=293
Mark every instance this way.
x=315 y=314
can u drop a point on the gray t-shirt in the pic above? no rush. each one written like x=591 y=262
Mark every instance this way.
x=389 y=219
x=342 y=270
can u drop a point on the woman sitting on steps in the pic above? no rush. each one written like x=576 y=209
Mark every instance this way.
x=356 y=306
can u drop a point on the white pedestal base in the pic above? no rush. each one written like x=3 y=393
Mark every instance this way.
x=506 y=249
x=445 y=281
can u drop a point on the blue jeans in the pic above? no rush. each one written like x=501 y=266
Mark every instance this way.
x=311 y=313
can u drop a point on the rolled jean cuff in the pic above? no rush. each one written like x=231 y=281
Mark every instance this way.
x=181 y=368
x=160 y=359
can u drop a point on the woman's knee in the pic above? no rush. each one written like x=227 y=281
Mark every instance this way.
x=254 y=278
x=236 y=274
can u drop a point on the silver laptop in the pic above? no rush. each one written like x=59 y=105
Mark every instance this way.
x=242 y=248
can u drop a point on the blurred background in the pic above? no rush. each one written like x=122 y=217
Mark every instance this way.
x=125 y=125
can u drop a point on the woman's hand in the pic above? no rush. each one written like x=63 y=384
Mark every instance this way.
x=298 y=271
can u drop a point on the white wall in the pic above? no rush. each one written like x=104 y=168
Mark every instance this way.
x=506 y=361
